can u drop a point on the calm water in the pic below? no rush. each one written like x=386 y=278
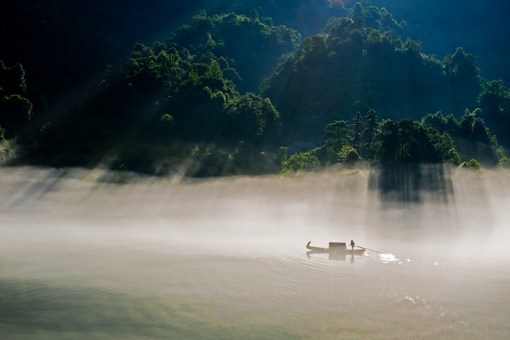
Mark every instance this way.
x=84 y=258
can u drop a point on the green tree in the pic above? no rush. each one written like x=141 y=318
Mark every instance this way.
x=494 y=100
x=336 y=135
x=464 y=77
x=255 y=114
x=357 y=131
x=348 y=154
x=368 y=133
x=410 y=142
x=471 y=164
x=300 y=162
x=15 y=107
x=15 y=111
x=356 y=67
x=251 y=46
x=475 y=140
x=471 y=136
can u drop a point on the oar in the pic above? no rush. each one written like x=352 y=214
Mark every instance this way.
x=375 y=251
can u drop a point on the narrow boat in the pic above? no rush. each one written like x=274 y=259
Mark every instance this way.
x=335 y=247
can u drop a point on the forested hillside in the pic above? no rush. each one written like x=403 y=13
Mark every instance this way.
x=225 y=93
x=355 y=68
x=65 y=44
x=62 y=44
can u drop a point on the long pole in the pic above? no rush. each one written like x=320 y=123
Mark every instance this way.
x=376 y=251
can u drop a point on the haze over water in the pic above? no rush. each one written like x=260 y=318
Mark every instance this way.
x=82 y=257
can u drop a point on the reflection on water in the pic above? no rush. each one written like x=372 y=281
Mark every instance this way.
x=80 y=258
x=388 y=258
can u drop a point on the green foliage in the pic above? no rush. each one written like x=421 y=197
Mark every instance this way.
x=300 y=162
x=410 y=142
x=257 y=115
x=357 y=130
x=7 y=150
x=441 y=123
x=194 y=99
x=355 y=67
x=167 y=118
x=336 y=136
x=283 y=152
x=209 y=161
x=250 y=159
x=444 y=146
x=461 y=64
x=12 y=79
x=248 y=46
x=504 y=162
x=368 y=130
x=471 y=164
x=474 y=140
x=348 y=154
x=366 y=15
x=15 y=107
x=494 y=100
x=134 y=102
x=471 y=137
x=245 y=158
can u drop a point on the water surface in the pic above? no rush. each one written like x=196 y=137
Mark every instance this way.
x=82 y=257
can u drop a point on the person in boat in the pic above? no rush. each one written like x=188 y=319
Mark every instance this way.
x=352 y=244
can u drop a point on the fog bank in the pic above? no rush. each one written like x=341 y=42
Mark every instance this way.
x=86 y=257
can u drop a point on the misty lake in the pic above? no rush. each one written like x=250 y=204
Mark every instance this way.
x=82 y=257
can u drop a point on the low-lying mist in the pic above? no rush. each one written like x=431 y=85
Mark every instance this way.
x=95 y=254
x=267 y=211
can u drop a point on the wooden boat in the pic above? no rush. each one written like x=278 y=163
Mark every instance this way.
x=336 y=248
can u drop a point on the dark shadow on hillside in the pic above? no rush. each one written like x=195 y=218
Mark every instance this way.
x=408 y=182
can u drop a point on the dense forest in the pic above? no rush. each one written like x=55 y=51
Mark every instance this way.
x=242 y=89
x=66 y=44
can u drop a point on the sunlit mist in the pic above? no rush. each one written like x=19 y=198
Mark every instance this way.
x=226 y=258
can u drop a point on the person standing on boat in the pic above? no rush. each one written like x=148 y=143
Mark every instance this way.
x=352 y=244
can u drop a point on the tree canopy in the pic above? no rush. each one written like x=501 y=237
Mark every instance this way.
x=357 y=92
x=355 y=67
